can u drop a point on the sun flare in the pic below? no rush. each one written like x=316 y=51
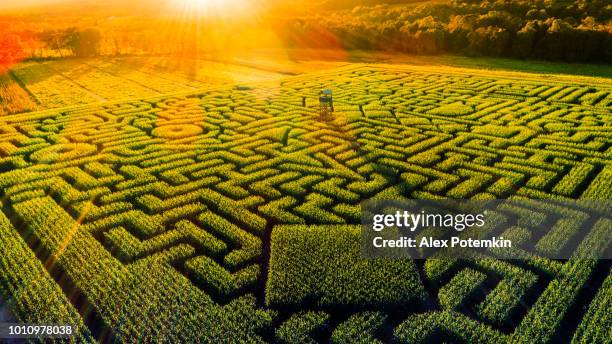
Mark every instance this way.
x=204 y=3
x=217 y=8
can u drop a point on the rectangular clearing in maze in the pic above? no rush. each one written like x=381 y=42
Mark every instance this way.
x=159 y=217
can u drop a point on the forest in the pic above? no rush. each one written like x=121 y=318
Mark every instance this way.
x=545 y=29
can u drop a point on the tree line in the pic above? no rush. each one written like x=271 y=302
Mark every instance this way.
x=579 y=30
x=73 y=41
x=548 y=29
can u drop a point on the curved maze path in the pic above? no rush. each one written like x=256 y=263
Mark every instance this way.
x=170 y=217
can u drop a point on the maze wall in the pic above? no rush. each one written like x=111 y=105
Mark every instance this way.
x=189 y=217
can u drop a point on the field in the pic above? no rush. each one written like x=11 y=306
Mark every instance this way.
x=198 y=210
x=38 y=85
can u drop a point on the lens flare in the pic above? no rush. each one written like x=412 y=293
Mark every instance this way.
x=209 y=8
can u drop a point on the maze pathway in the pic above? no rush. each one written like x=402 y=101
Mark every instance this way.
x=156 y=217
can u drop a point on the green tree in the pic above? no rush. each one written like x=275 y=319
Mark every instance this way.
x=53 y=40
x=83 y=43
x=490 y=41
x=525 y=40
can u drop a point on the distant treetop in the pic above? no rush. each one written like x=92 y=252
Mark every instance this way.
x=550 y=29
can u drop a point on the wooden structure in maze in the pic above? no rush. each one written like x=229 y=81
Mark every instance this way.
x=154 y=217
x=326 y=105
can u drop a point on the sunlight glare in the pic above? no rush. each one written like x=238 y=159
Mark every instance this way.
x=206 y=8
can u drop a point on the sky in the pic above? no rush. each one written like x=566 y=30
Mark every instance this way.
x=42 y=5
x=27 y=3
x=16 y=4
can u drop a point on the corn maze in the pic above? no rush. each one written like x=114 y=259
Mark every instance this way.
x=31 y=85
x=231 y=214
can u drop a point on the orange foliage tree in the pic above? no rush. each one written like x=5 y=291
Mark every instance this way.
x=11 y=49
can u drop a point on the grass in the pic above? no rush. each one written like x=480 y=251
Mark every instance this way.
x=507 y=64
x=486 y=63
